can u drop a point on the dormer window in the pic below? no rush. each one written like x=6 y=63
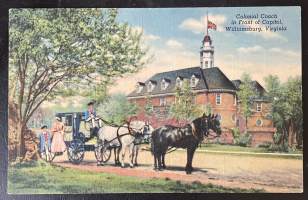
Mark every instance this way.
x=151 y=85
x=164 y=84
x=139 y=87
x=178 y=81
x=194 y=81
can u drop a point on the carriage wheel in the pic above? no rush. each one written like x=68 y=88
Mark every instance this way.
x=76 y=151
x=102 y=153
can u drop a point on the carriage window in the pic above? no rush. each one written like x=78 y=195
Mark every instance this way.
x=162 y=101
x=259 y=107
x=218 y=99
x=68 y=120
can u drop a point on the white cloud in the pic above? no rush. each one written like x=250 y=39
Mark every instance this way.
x=274 y=51
x=174 y=43
x=199 y=25
x=288 y=53
x=253 y=49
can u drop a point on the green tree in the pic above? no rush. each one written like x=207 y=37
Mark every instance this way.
x=53 y=49
x=245 y=94
x=148 y=108
x=117 y=109
x=286 y=109
x=184 y=108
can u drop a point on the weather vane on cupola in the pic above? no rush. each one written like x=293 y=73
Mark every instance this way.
x=207 y=50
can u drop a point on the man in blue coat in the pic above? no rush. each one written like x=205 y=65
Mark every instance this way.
x=90 y=115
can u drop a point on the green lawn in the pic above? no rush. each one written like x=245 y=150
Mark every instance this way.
x=42 y=178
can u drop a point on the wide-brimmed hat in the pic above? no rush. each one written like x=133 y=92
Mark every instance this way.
x=44 y=126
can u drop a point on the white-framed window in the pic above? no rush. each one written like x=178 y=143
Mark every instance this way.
x=206 y=63
x=218 y=99
x=162 y=101
x=193 y=81
x=259 y=107
x=139 y=88
x=178 y=82
x=235 y=100
x=150 y=87
x=259 y=122
x=163 y=84
x=194 y=99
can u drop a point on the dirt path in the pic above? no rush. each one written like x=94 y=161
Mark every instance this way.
x=271 y=174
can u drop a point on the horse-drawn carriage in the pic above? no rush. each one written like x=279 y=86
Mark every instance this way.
x=80 y=136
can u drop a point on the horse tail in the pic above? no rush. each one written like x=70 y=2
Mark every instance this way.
x=118 y=136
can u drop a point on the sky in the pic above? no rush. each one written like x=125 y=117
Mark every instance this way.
x=174 y=35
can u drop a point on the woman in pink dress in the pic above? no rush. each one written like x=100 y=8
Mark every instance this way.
x=58 y=144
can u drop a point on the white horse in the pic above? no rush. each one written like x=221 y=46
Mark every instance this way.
x=125 y=138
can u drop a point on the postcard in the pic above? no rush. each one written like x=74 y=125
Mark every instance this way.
x=155 y=100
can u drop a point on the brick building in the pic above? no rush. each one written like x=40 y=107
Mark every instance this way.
x=211 y=87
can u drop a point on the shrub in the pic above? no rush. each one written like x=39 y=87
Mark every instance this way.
x=235 y=134
x=244 y=140
x=265 y=145
x=278 y=148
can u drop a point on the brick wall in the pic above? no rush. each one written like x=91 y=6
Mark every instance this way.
x=228 y=110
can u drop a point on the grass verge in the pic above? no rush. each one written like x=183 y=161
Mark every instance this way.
x=43 y=178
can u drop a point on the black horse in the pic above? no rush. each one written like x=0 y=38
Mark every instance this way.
x=187 y=137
